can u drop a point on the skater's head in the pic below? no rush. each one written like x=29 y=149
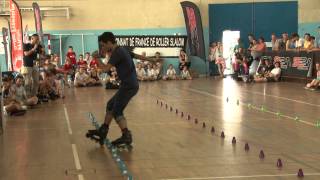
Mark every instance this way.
x=107 y=41
x=277 y=64
x=170 y=66
x=318 y=66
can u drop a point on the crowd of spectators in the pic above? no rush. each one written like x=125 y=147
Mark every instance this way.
x=247 y=64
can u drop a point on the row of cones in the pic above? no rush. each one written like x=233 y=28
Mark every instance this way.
x=234 y=141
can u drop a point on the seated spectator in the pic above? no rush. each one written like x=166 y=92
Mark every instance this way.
x=81 y=62
x=283 y=41
x=159 y=61
x=183 y=60
x=56 y=60
x=265 y=68
x=94 y=63
x=10 y=106
x=68 y=71
x=307 y=44
x=314 y=47
x=292 y=42
x=151 y=74
x=238 y=47
x=143 y=63
x=113 y=81
x=81 y=78
x=94 y=78
x=219 y=60
x=49 y=87
x=141 y=73
x=171 y=73
x=19 y=94
x=314 y=84
x=158 y=70
x=240 y=64
x=273 y=76
x=87 y=57
x=274 y=42
x=185 y=74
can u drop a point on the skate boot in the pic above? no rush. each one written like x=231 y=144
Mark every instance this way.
x=124 y=141
x=98 y=135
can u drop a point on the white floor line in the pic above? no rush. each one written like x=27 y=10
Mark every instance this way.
x=219 y=97
x=284 y=98
x=80 y=177
x=74 y=147
x=76 y=156
x=243 y=177
x=67 y=119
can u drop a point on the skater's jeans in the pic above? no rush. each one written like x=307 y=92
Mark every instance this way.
x=119 y=101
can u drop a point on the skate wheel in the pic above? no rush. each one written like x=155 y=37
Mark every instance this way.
x=87 y=135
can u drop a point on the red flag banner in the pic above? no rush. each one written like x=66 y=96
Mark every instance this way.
x=194 y=28
x=37 y=20
x=16 y=36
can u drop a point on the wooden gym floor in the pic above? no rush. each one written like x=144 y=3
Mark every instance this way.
x=49 y=143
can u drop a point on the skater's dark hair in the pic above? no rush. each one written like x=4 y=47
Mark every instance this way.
x=35 y=35
x=107 y=36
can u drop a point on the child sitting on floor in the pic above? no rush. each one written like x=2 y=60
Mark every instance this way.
x=273 y=76
x=81 y=78
x=171 y=73
x=315 y=82
x=19 y=94
x=141 y=73
x=151 y=73
x=185 y=74
x=11 y=107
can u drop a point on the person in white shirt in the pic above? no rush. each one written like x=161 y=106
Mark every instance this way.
x=18 y=93
x=171 y=73
x=141 y=73
x=81 y=78
x=185 y=74
x=151 y=73
x=273 y=76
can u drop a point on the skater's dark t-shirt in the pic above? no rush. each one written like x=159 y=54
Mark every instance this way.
x=121 y=58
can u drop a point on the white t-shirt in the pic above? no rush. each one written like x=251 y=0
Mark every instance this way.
x=141 y=72
x=81 y=77
x=276 y=71
x=185 y=74
x=151 y=73
x=171 y=72
x=19 y=92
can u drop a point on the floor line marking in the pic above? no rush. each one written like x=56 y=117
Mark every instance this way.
x=240 y=177
x=67 y=119
x=253 y=107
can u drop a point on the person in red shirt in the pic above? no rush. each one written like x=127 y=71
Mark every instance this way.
x=72 y=56
x=81 y=62
x=67 y=67
x=94 y=61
